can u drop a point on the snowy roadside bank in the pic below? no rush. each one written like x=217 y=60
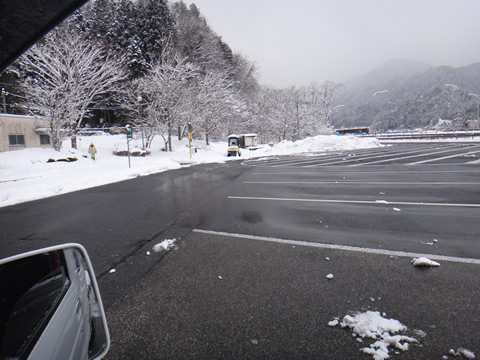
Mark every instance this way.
x=26 y=175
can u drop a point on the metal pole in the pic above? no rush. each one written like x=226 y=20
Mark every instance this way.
x=128 y=150
x=139 y=99
x=4 y=101
x=298 y=124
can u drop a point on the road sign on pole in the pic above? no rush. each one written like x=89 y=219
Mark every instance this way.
x=129 y=137
x=129 y=131
x=190 y=137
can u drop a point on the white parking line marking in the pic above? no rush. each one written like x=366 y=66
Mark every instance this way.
x=359 y=154
x=443 y=158
x=376 y=155
x=422 y=170
x=358 y=183
x=371 y=202
x=341 y=247
x=405 y=157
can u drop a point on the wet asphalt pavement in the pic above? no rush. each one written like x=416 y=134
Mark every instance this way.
x=221 y=296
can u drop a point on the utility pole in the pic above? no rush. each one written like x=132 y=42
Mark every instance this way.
x=139 y=99
x=4 y=101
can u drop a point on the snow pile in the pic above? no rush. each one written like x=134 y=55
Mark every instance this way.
x=321 y=143
x=372 y=325
x=166 y=244
x=425 y=262
x=26 y=175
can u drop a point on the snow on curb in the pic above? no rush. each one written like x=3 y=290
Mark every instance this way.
x=372 y=325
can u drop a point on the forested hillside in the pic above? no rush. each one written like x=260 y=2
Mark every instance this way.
x=404 y=94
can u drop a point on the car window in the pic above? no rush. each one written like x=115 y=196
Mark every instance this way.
x=30 y=291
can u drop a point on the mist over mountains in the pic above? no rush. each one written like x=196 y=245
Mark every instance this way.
x=406 y=94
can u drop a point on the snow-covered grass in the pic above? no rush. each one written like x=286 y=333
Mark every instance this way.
x=25 y=174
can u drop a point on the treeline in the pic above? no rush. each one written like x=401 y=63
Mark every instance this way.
x=158 y=66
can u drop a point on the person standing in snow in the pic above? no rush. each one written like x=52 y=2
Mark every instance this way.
x=92 y=151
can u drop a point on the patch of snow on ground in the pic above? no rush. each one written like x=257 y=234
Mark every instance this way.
x=372 y=325
x=25 y=174
x=166 y=244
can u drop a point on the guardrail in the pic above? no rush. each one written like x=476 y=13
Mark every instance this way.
x=425 y=135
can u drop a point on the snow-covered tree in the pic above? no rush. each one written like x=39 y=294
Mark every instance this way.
x=215 y=102
x=65 y=76
x=326 y=94
x=167 y=90
x=280 y=107
x=197 y=42
x=137 y=30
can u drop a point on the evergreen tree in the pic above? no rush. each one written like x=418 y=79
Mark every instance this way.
x=197 y=42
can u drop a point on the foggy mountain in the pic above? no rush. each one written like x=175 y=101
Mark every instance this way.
x=417 y=96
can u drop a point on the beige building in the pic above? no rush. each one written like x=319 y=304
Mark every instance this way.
x=21 y=131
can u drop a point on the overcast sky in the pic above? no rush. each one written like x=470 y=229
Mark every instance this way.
x=296 y=42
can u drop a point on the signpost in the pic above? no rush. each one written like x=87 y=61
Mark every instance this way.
x=129 y=137
x=190 y=137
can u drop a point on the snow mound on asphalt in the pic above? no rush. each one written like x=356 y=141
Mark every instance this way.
x=372 y=325
x=166 y=244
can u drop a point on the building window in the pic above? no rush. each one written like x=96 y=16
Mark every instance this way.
x=44 y=140
x=16 y=140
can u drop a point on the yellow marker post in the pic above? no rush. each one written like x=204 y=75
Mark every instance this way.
x=190 y=137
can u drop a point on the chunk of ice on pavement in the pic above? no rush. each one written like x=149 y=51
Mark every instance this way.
x=166 y=244
x=453 y=352
x=333 y=323
x=330 y=276
x=467 y=353
x=423 y=261
x=426 y=243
